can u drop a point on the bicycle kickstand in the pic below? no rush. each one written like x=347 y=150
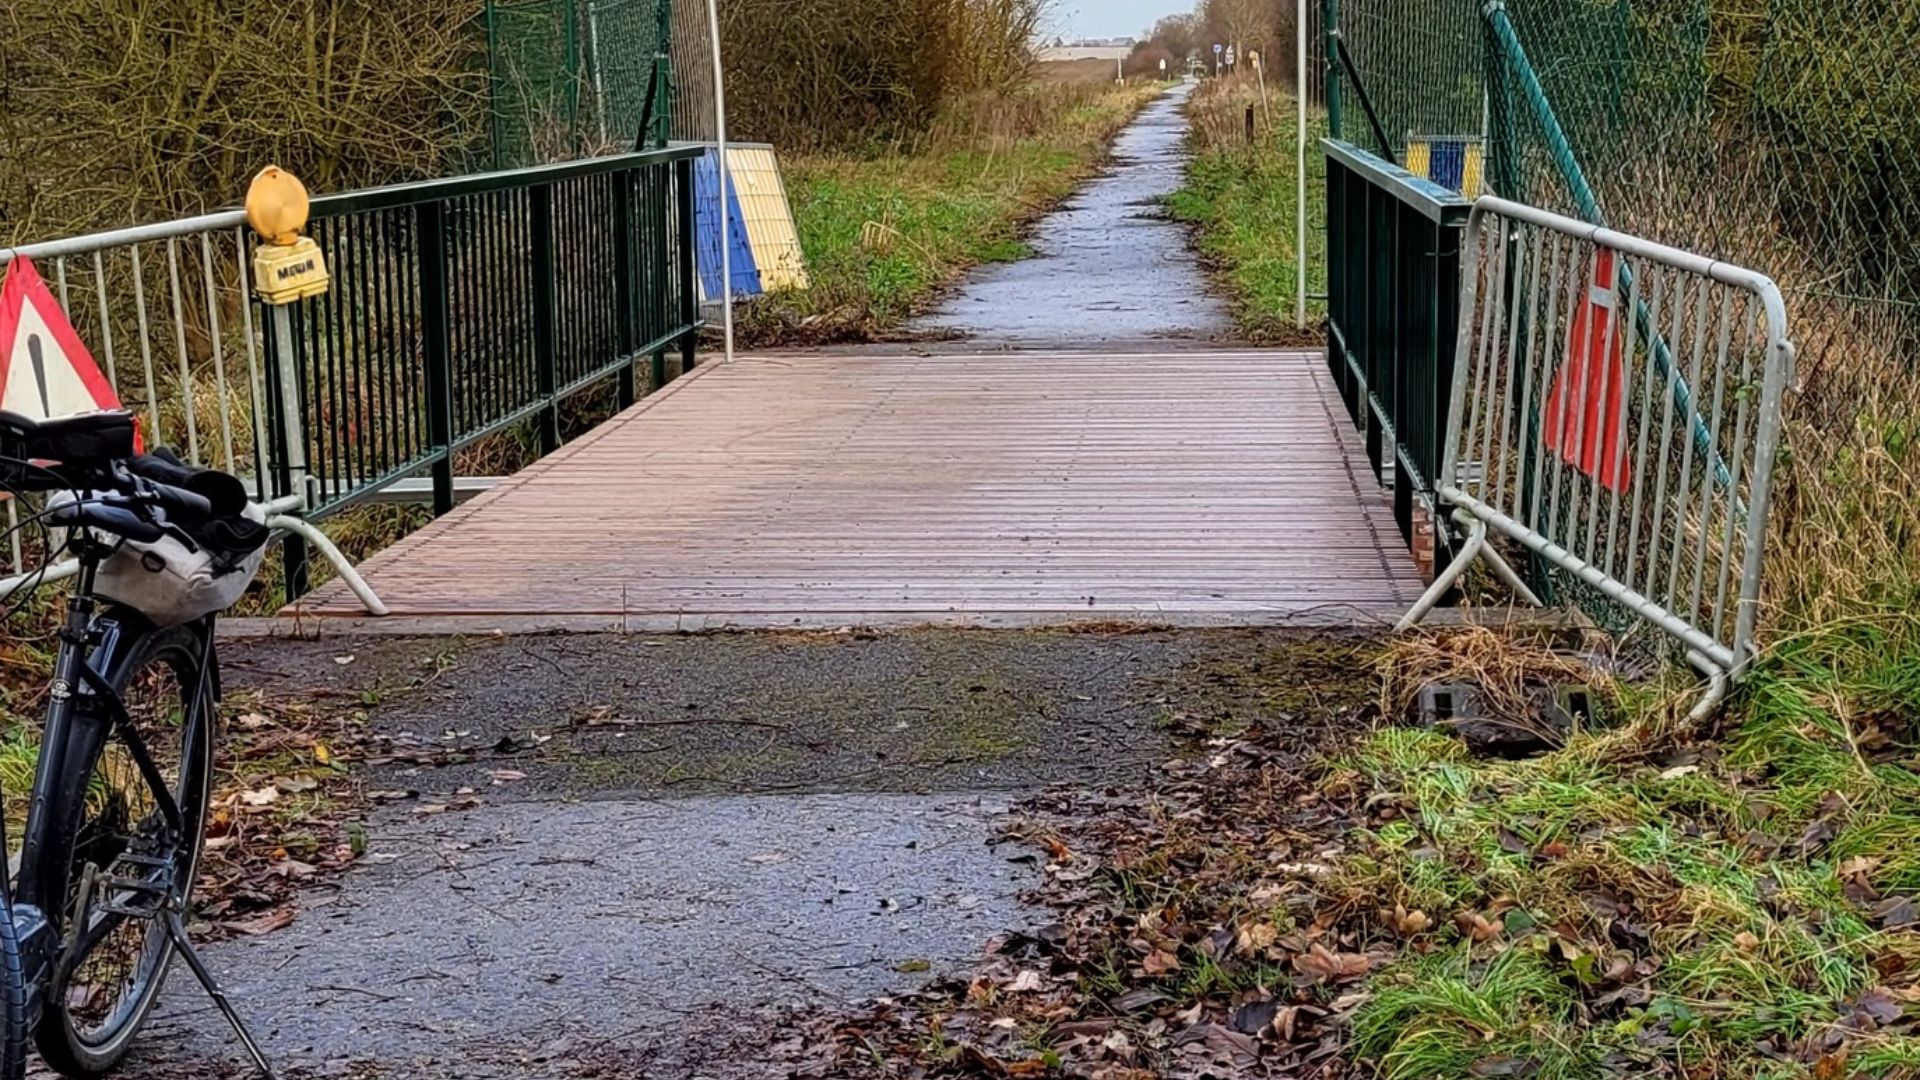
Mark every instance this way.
x=177 y=930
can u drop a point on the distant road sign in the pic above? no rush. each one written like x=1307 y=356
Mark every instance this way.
x=1218 y=49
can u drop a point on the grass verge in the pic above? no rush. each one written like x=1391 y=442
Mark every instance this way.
x=884 y=232
x=1241 y=199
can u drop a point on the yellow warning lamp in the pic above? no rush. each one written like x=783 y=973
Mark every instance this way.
x=286 y=266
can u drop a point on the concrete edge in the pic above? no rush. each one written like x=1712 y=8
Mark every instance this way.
x=1331 y=618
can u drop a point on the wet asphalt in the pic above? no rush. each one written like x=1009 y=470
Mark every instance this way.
x=1111 y=267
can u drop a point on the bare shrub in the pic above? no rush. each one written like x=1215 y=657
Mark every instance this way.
x=140 y=110
x=837 y=74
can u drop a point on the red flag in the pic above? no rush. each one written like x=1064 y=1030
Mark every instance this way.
x=1586 y=408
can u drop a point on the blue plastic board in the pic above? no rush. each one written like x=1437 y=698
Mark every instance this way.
x=746 y=272
x=1449 y=164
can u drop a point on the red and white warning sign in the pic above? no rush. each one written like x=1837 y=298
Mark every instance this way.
x=1587 y=407
x=45 y=372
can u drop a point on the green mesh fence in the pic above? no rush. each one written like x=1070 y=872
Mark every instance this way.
x=576 y=77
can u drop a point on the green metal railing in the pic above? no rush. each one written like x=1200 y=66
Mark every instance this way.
x=462 y=307
x=1393 y=282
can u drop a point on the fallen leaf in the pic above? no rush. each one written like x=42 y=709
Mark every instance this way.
x=1253 y=1017
x=265 y=796
x=1895 y=912
x=1255 y=936
x=1746 y=941
x=1027 y=982
x=1476 y=926
x=1679 y=771
x=1408 y=923
x=1137 y=999
x=264 y=923
x=1160 y=962
x=505 y=776
x=1322 y=965
x=322 y=753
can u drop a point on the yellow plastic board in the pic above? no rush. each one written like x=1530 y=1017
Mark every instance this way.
x=770 y=227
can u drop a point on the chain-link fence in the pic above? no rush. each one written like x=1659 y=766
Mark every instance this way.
x=570 y=78
x=1780 y=133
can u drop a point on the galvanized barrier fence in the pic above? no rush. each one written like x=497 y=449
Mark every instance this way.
x=459 y=308
x=1393 y=263
x=1615 y=411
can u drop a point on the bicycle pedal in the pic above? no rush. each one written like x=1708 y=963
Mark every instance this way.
x=132 y=910
x=136 y=896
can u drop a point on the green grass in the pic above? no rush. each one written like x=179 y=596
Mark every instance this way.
x=1745 y=880
x=1242 y=201
x=884 y=233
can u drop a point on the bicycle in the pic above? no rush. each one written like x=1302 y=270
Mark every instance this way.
x=95 y=914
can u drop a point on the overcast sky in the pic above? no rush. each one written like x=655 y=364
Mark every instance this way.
x=1113 y=18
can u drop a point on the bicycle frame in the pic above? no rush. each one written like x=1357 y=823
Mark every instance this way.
x=89 y=648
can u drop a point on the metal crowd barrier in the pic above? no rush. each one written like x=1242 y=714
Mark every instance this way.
x=1616 y=412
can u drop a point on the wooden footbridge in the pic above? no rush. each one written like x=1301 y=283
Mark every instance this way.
x=1015 y=488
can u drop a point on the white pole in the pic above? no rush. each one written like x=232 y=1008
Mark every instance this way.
x=599 y=83
x=726 y=177
x=1300 y=193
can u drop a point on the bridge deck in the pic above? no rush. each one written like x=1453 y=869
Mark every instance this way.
x=827 y=491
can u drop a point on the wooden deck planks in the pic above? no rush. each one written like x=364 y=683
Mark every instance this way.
x=823 y=491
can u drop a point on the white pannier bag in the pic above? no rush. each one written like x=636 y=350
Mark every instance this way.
x=172 y=584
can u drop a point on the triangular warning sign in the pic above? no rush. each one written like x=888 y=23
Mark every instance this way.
x=45 y=372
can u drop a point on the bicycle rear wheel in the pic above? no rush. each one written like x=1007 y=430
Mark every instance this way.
x=116 y=958
x=13 y=986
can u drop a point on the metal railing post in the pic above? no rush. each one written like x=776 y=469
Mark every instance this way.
x=545 y=322
x=624 y=307
x=659 y=218
x=289 y=408
x=430 y=226
x=689 y=282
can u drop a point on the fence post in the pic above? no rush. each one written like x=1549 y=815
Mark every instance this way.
x=1332 y=30
x=430 y=225
x=1300 y=177
x=623 y=184
x=493 y=87
x=545 y=322
x=660 y=255
x=599 y=79
x=689 y=280
x=663 y=74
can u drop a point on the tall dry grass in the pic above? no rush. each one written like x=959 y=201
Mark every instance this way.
x=1845 y=533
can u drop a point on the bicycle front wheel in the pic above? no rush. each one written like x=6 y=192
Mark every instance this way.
x=121 y=863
